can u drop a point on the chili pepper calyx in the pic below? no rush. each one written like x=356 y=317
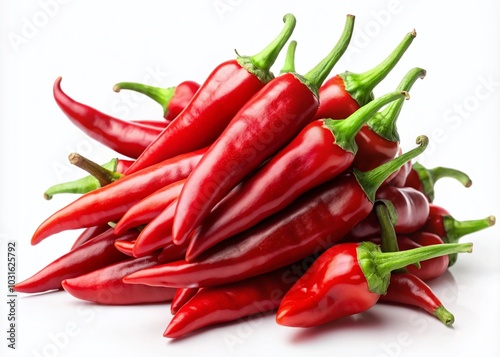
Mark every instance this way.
x=371 y=180
x=316 y=76
x=384 y=123
x=345 y=130
x=377 y=265
x=260 y=64
x=360 y=85
x=162 y=96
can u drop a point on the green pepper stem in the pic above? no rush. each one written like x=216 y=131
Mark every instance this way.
x=386 y=217
x=429 y=177
x=103 y=175
x=345 y=130
x=384 y=123
x=457 y=229
x=361 y=85
x=289 y=65
x=261 y=63
x=80 y=186
x=316 y=76
x=444 y=315
x=162 y=96
x=377 y=266
x=371 y=180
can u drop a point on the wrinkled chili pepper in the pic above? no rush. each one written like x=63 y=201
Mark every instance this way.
x=378 y=140
x=450 y=230
x=210 y=306
x=321 y=151
x=309 y=225
x=88 y=257
x=181 y=297
x=109 y=203
x=124 y=137
x=264 y=125
x=224 y=92
x=172 y=99
x=105 y=285
x=149 y=207
x=408 y=289
x=348 y=279
x=424 y=179
x=411 y=209
x=343 y=94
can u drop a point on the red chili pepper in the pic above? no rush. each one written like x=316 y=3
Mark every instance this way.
x=424 y=179
x=343 y=94
x=90 y=256
x=408 y=289
x=312 y=223
x=152 y=123
x=264 y=125
x=429 y=269
x=409 y=205
x=124 y=137
x=321 y=151
x=224 y=92
x=348 y=279
x=125 y=247
x=149 y=207
x=105 y=285
x=214 y=305
x=378 y=140
x=109 y=203
x=181 y=297
x=450 y=230
x=172 y=99
x=90 y=233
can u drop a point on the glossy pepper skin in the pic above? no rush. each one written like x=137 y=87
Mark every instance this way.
x=109 y=203
x=411 y=208
x=309 y=225
x=92 y=255
x=450 y=230
x=408 y=289
x=320 y=152
x=90 y=233
x=172 y=99
x=348 y=279
x=149 y=207
x=268 y=121
x=124 y=137
x=214 y=305
x=222 y=94
x=344 y=93
x=181 y=297
x=105 y=285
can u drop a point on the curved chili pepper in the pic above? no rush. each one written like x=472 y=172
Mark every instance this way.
x=408 y=289
x=157 y=233
x=181 y=297
x=310 y=224
x=264 y=125
x=378 y=140
x=450 y=230
x=124 y=137
x=105 y=285
x=348 y=279
x=110 y=202
x=343 y=94
x=90 y=233
x=149 y=207
x=411 y=209
x=224 y=92
x=172 y=99
x=214 y=305
x=125 y=247
x=321 y=151
x=90 y=256
x=424 y=179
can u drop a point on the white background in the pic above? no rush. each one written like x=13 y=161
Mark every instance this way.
x=94 y=44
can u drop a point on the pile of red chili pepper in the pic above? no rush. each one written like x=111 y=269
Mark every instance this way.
x=258 y=192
